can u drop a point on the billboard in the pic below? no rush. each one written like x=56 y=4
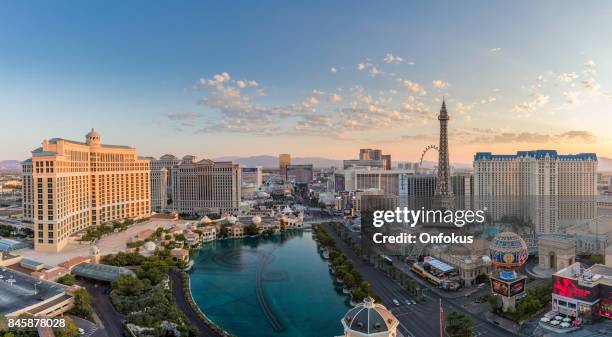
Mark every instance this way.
x=606 y=292
x=568 y=287
x=500 y=287
x=517 y=287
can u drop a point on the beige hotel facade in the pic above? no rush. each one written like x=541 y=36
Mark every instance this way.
x=69 y=186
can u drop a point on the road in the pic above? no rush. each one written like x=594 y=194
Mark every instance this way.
x=416 y=320
x=183 y=305
x=100 y=301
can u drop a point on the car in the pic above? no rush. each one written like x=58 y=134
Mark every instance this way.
x=396 y=302
x=408 y=302
x=413 y=302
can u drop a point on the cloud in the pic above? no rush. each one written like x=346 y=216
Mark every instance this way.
x=413 y=87
x=585 y=136
x=439 y=84
x=497 y=136
x=487 y=100
x=495 y=50
x=389 y=58
x=527 y=107
x=373 y=72
x=413 y=105
x=420 y=136
x=318 y=92
x=310 y=102
x=333 y=70
x=571 y=97
x=182 y=116
x=334 y=98
x=589 y=64
x=568 y=77
x=216 y=79
x=590 y=84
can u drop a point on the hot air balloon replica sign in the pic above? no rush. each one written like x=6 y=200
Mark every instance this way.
x=508 y=252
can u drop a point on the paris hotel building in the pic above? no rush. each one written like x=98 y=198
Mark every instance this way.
x=69 y=186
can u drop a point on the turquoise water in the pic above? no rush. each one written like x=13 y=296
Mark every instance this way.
x=272 y=287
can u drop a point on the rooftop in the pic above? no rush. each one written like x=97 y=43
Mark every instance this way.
x=537 y=154
x=597 y=273
x=369 y=318
x=18 y=291
x=100 y=272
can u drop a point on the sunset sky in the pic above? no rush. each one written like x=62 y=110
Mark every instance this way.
x=310 y=78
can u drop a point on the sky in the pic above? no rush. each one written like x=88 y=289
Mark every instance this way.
x=310 y=78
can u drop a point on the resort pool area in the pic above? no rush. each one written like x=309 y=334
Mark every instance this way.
x=280 y=286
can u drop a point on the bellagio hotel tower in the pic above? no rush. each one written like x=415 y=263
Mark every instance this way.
x=69 y=186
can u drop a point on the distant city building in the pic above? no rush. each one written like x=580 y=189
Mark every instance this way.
x=369 y=158
x=417 y=191
x=300 y=173
x=363 y=163
x=543 y=186
x=369 y=154
x=368 y=205
x=284 y=160
x=69 y=186
x=204 y=186
x=161 y=182
x=252 y=176
x=386 y=158
x=360 y=194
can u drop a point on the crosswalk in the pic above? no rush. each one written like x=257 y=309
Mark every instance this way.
x=89 y=330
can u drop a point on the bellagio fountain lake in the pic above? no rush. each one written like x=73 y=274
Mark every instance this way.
x=278 y=286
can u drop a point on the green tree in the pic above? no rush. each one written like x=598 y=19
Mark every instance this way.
x=128 y=285
x=251 y=230
x=82 y=305
x=153 y=269
x=70 y=330
x=458 y=325
x=493 y=302
x=67 y=279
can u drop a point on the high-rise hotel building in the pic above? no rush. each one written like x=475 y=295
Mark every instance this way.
x=284 y=159
x=69 y=186
x=549 y=189
x=194 y=186
x=160 y=181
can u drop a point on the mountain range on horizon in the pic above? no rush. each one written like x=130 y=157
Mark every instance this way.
x=268 y=161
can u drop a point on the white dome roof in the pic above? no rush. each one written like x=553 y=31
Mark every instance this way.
x=150 y=246
x=206 y=219
x=287 y=209
x=256 y=220
x=369 y=318
x=231 y=219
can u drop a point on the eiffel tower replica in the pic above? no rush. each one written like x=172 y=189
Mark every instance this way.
x=443 y=196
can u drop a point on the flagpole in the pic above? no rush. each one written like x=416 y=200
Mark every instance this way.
x=441 y=319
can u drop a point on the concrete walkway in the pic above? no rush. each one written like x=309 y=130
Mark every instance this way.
x=110 y=244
